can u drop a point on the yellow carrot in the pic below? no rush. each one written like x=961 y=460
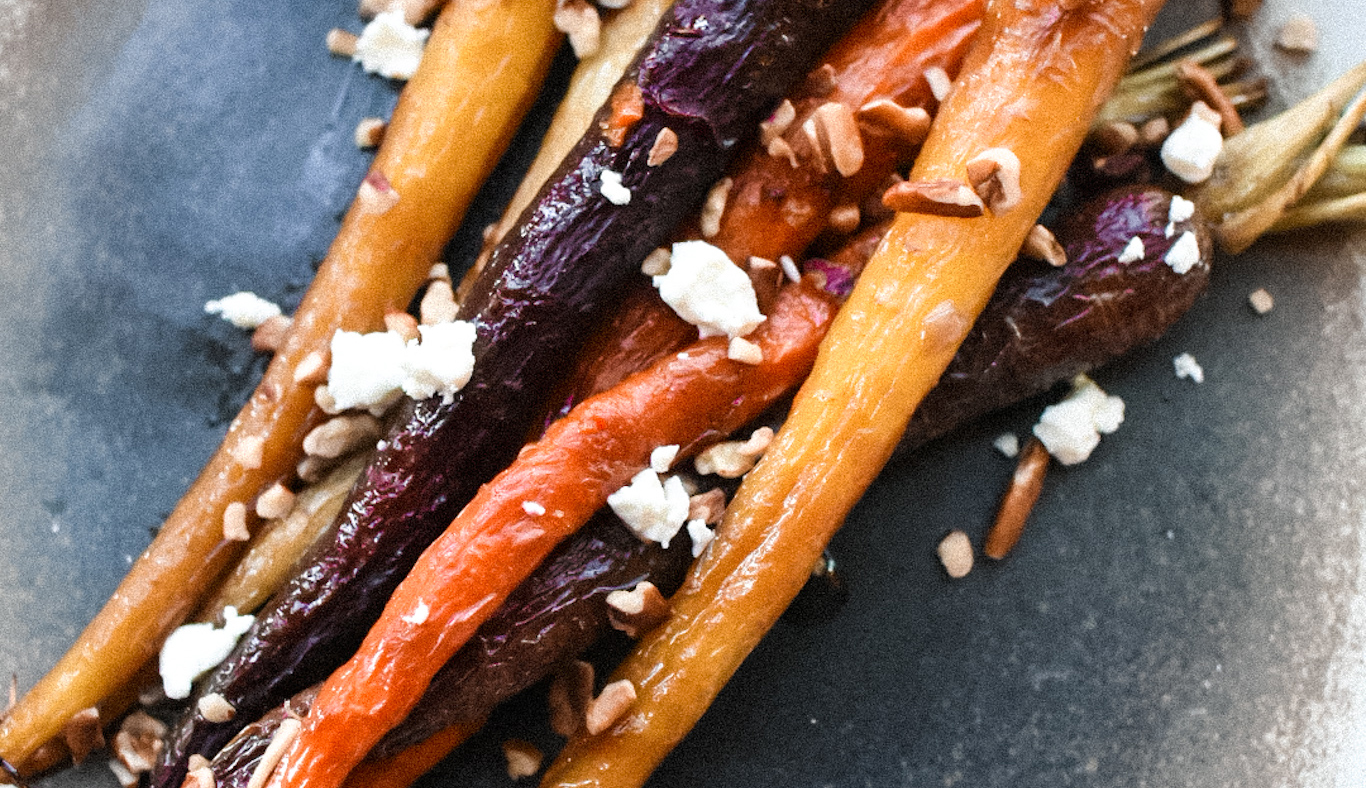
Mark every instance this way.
x=483 y=66
x=1031 y=85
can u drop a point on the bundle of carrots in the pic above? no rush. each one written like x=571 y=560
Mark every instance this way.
x=997 y=150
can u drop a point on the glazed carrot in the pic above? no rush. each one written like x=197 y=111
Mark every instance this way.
x=775 y=208
x=554 y=486
x=1031 y=84
x=483 y=65
x=403 y=769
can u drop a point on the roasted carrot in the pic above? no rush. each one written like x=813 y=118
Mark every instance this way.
x=775 y=208
x=1031 y=84
x=403 y=769
x=482 y=68
x=554 y=486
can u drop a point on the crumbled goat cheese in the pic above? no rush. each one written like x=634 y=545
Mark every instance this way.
x=1071 y=429
x=612 y=188
x=532 y=508
x=1187 y=367
x=390 y=47
x=1184 y=254
x=789 y=267
x=1261 y=301
x=662 y=458
x=441 y=362
x=1133 y=251
x=1008 y=444
x=700 y=535
x=245 y=309
x=1190 y=150
x=372 y=370
x=654 y=510
x=366 y=369
x=419 y=614
x=1181 y=210
x=709 y=291
x=194 y=649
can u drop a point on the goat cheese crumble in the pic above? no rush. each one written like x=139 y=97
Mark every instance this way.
x=1186 y=366
x=390 y=47
x=371 y=371
x=612 y=188
x=1071 y=429
x=244 y=309
x=1133 y=251
x=1184 y=254
x=709 y=291
x=652 y=508
x=1190 y=150
x=194 y=649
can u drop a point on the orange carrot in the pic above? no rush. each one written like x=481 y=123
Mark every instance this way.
x=554 y=486
x=403 y=769
x=1031 y=84
x=482 y=67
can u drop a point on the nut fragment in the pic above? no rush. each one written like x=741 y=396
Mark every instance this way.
x=322 y=397
x=1261 y=301
x=779 y=148
x=778 y=123
x=665 y=146
x=275 y=502
x=636 y=611
x=370 y=133
x=270 y=335
x=1040 y=244
x=955 y=553
x=733 y=459
x=1299 y=34
x=342 y=43
x=248 y=451
x=656 y=263
x=214 y=708
x=1154 y=131
x=834 y=136
x=844 y=218
x=908 y=125
x=995 y=176
x=609 y=706
x=139 y=742
x=235 y=522
x=1018 y=502
x=570 y=694
x=82 y=733
x=1199 y=83
x=376 y=195
x=341 y=435
x=200 y=777
x=403 y=324
x=708 y=506
x=744 y=351
x=523 y=758
x=275 y=751
x=714 y=208
x=1115 y=136
x=579 y=20
x=940 y=197
x=939 y=81
x=438 y=303
x=312 y=368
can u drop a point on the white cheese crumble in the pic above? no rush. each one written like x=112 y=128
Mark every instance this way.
x=789 y=267
x=1180 y=210
x=1186 y=366
x=194 y=649
x=709 y=291
x=612 y=188
x=1007 y=443
x=1184 y=254
x=532 y=508
x=1071 y=429
x=390 y=47
x=700 y=535
x=372 y=370
x=419 y=614
x=1133 y=251
x=244 y=309
x=662 y=458
x=1190 y=151
x=654 y=510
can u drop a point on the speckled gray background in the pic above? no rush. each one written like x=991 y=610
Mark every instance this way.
x=1186 y=608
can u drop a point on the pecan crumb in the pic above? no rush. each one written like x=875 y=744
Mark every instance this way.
x=715 y=207
x=609 y=706
x=235 y=522
x=197 y=761
x=1299 y=34
x=844 y=218
x=778 y=123
x=733 y=459
x=995 y=176
x=744 y=351
x=1261 y=301
x=779 y=148
x=312 y=368
x=579 y=20
x=342 y=435
x=438 y=303
x=708 y=506
x=665 y=146
x=248 y=451
x=270 y=335
x=1040 y=244
x=139 y=742
x=370 y=133
x=571 y=692
x=908 y=125
x=636 y=611
x=403 y=324
x=834 y=136
x=215 y=708
x=940 y=197
x=201 y=777
x=523 y=758
x=275 y=502
x=341 y=43
x=82 y=733
x=955 y=553
x=1154 y=131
